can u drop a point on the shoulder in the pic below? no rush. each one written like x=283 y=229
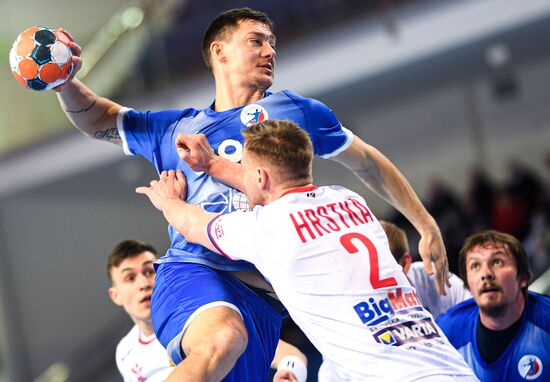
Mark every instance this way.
x=465 y=313
x=538 y=310
x=126 y=343
x=417 y=268
x=307 y=104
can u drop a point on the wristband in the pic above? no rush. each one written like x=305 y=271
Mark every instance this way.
x=295 y=365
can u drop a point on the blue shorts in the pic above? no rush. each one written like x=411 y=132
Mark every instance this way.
x=183 y=290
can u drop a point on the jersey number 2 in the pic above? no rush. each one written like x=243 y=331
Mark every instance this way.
x=376 y=282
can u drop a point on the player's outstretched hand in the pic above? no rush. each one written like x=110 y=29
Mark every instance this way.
x=433 y=253
x=171 y=186
x=77 y=61
x=195 y=150
x=284 y=376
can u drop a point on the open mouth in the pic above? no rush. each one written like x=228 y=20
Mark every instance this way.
x=491 y=289
x=145 y=299
x=269 y=67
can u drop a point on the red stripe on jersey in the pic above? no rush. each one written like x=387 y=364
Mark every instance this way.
x=146 y=340
x=300 y=189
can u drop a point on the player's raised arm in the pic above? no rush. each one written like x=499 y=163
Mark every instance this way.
x=93 y=115
x=190 y=220
x=382 y=177
x=195 y=150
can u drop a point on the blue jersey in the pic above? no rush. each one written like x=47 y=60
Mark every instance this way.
x=152 y=135
x=526 y=358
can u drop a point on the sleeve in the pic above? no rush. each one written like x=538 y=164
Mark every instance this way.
x=233 y=235
x=458 y=291
x=328 y=135
x=142 y=133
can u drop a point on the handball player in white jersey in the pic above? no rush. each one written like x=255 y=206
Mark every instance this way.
x=139 y=355
x=315 y=245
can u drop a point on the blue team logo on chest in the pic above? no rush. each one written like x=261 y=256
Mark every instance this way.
x=530 y=367
x=253 y=113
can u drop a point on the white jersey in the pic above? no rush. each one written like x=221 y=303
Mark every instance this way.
x=329 y=262
x=142 y=359
x=426 y=290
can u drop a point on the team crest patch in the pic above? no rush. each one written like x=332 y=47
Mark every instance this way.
x=252 y=114
x=530 y=367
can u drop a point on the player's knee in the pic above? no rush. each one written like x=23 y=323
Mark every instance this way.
x=226 y=340
x=231 y=338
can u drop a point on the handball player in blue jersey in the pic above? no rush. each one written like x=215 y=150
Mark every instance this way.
x=214 y=326
x=503 y=333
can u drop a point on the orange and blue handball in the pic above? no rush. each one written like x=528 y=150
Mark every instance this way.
x=40 y=58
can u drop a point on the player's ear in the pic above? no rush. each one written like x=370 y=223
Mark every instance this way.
x=263 y=178
x=217 y=51
x=113 y=294
x=406 y=261
x=523 y=283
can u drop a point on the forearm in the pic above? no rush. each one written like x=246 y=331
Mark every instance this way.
x=93 y=115
x=285 y=349
x=228 y=172
x=383 y=178
x=189 y=220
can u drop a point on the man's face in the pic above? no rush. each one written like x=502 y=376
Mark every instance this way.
x=252 y=187
x=492 y=278
x=250 y=53
x=133 y=282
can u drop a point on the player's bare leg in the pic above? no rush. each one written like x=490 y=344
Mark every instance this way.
x=212 y=343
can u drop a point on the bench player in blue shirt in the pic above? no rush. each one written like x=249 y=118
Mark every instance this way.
x=211 y=323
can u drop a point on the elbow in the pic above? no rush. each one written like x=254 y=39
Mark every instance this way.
x=188 y=233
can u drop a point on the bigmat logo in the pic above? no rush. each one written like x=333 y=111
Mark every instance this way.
x=377 y=310
x=407 y=332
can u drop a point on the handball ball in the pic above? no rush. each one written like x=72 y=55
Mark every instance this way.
x=40 y=58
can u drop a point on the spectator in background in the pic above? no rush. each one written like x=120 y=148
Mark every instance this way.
x=448 y=210
x=509 y=213
x=480 y=196
x=425 y=284
x=504 y=332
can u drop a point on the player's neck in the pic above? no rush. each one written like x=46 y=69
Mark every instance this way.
x=145 y=327
x=512 y=314
x=229 y=96
x=289 y=188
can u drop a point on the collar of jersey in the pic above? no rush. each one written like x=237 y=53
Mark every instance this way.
x=213 y=113
x=146 y=340
x=300 y=189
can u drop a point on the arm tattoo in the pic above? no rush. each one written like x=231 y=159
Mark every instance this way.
x=83 y=110
x=108 y=134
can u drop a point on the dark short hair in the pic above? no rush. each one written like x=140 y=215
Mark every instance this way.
x=397 y=238
x=226 y=21
x=127 y=249
x=284 y=145
x=495 y=238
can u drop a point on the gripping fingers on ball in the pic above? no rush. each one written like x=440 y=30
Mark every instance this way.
x=76 y=49
x=70 y=37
